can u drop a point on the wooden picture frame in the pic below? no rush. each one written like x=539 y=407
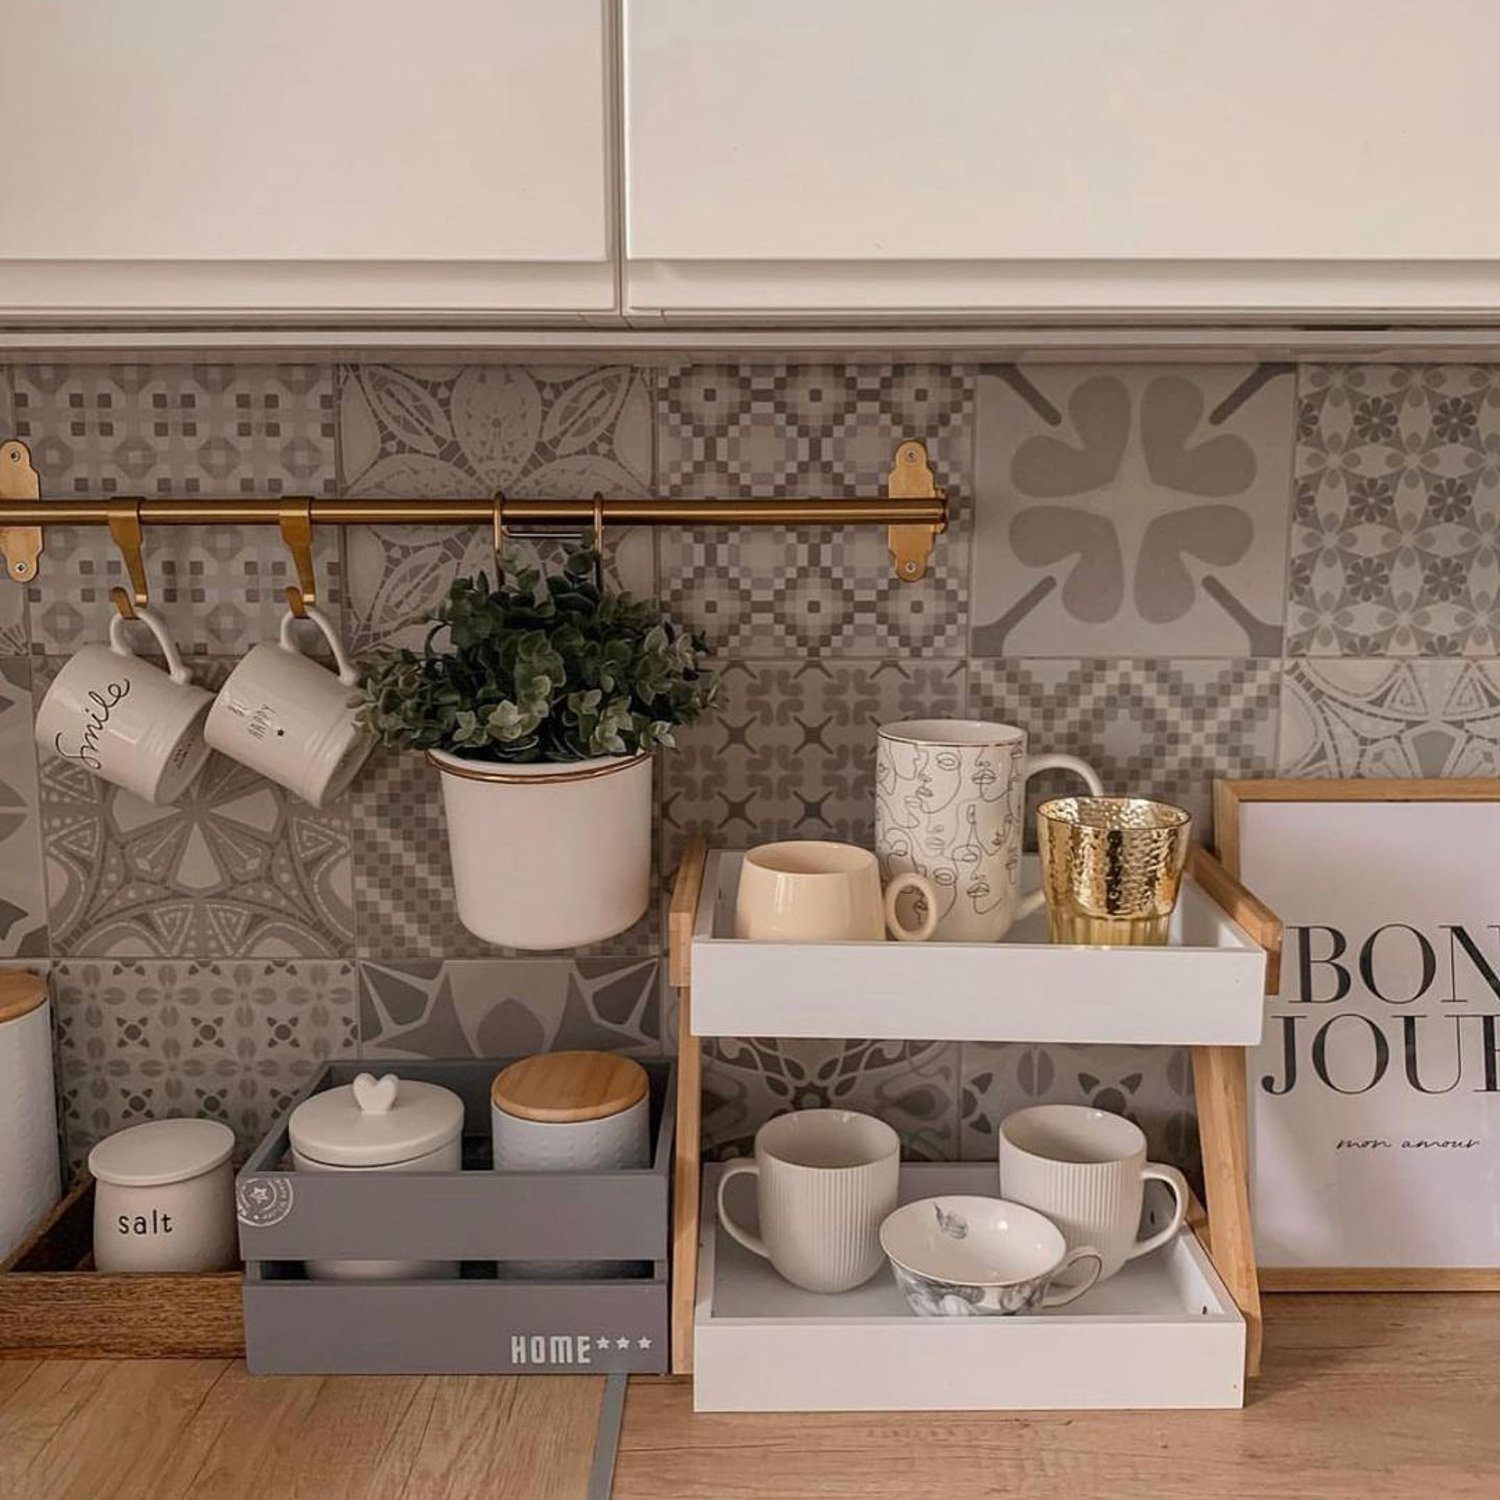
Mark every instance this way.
x=1230 y=800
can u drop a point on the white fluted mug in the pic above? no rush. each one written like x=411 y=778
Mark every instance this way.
x=950 y=804
x=1086 y=1170
x=826 y=1180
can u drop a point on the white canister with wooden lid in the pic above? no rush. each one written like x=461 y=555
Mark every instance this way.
x=387 y=1124
x=570 y=1112
x=29 y=1176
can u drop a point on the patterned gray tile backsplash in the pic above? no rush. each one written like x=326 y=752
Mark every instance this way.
x=1396 y=530
x=1158 y=728
x=731 y=432
x=495 y=1007
x=1177 y=571
x=177 y=430
x=1132 y=510
x=234 y=1041
x=435 y=432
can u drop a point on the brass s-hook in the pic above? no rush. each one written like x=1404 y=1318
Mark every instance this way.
x=125 y=533
x=599 y=541
x=295 y=520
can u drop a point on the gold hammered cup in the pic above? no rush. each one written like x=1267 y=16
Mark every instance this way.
x=1111 y=867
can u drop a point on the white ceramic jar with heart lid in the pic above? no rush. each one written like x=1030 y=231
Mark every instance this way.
x=387 y=1124
x=164 y=1199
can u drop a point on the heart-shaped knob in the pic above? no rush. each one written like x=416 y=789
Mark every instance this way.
x=375 y=1096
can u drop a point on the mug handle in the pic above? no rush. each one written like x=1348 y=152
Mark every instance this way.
x=1032 y=900
x=751 y=1242
x=157 y=626
x=1156 y=1171
x=910 y=880
x=348 y=675
x=1061 y=1298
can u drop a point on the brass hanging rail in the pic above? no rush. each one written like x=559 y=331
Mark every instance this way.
x=914 y=510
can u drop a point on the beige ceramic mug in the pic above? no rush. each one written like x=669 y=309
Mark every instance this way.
x=815 y=891
x=826 y=1181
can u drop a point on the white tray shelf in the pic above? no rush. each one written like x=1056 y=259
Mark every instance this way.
x=1204 y=988
x=1163 y=1333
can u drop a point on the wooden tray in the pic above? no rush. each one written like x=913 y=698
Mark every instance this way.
x=53 y=1303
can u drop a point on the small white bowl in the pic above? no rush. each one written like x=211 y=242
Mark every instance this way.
x=965 y=1257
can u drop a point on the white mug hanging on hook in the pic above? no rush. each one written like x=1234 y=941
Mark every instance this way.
x=282 y=714
x=125 y=720
x=950 y=802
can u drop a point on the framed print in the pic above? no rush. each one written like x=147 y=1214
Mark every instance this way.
x=1374 y=1096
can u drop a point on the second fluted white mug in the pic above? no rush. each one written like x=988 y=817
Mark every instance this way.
x=282 y=714
x=1086 y=1169
x=950 y=804
x=826 y=1180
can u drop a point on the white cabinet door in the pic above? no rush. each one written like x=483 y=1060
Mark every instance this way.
x=305 y=155
x=1080 y=154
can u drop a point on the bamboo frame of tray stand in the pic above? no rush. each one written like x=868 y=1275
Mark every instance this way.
x=1223 y=1228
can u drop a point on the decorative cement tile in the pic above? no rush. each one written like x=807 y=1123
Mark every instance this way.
x=177 y=431
x=1151 y=1085
x=1131 y=510
x=736 y=431
x=403 y=876
x=1153 y=728
x=1365 y=717
x=1394 y=534
x=232 y=1041
x=23 y=897
x=790 y=751
x=442 y=432
x=509 y=1006
x=912 y=1086
x=238 y=868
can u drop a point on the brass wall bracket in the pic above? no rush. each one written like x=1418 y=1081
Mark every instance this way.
x=22 y=545
x=910 y=544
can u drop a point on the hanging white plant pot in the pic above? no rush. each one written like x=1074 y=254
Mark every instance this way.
x=550 y=854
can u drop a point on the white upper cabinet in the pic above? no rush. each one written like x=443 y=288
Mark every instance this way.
x=1020 y=157
x=305 y=156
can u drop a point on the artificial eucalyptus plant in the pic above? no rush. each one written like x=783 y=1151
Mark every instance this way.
x=553 y=669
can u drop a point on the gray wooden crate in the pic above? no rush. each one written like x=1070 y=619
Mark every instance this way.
x=483 y=1321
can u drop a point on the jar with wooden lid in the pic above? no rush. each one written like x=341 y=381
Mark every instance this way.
x=570 y=1112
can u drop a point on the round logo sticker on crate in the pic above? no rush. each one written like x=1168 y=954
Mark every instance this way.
x=263 y=1201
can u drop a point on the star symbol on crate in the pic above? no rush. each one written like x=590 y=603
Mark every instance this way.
x=622 y=1343
x=601 y=1341
x=643 y=1343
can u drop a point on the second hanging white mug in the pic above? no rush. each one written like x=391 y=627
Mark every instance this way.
x=950 y=804
x=282 y=714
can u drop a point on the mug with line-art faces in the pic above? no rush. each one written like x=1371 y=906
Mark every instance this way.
x=294 y=721
x=127 y=721
x=950 y=805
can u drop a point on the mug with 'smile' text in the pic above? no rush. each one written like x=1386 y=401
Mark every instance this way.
x=125 y=720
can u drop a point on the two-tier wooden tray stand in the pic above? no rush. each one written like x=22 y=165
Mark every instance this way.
x=1204 y=990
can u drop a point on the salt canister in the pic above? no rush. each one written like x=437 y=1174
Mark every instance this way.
x=164 y=1199
x=374 y=1124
